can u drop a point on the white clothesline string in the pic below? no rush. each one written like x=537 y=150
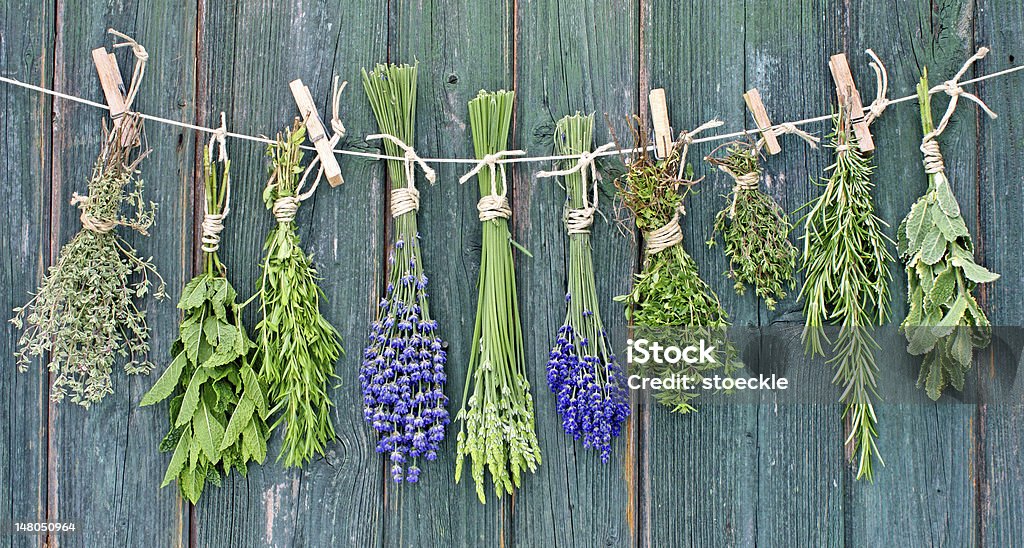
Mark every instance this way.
x=507 y=160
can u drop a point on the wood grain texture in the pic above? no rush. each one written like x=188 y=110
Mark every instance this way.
x=103 y=461
x=571 y=57
x=453 y=67
x=27 y=55
x=247 y=60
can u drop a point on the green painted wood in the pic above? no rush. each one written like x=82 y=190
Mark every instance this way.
x=247 y=59
x=453 y=67
x=571 y=56
x=25 y=55
x=1000 y=458
x=104 y=461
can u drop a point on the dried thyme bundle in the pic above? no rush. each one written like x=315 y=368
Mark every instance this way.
x=403 y=375
x=845 y=259
x=944 y=322
x=84 y=314
x=298 y=346
x=668 y=295
x=754 y=229
x=582 y=370
x=497 y=418
x=219 y=410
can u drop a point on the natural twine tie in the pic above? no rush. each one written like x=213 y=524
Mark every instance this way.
x=579 y=220
x=493 y=205
x=687 y=139
x=406 y=199
x=878 y=106
x=933 y=162
x=213 y=223
x=788 y=128
x=90 y=223
x=665 y=236
x=745 y=181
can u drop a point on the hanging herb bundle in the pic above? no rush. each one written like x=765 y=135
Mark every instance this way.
x=403 y=375
x=845 y=258
x=297 y=345
x=668 y=294
x=497 y=429
x=582 y=371
x=754 y=229
x=219 y=410
x=944 y=323
x=85 y=313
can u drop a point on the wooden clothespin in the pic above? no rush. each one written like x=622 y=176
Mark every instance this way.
x=663 y=140
x=113 y=90
x=753 y=100
x=316 y=132
x=849 y=98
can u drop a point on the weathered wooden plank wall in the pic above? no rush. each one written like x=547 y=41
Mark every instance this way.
x=768 y=473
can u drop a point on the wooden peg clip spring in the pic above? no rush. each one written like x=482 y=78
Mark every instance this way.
x=849 y=98
x=753 y=100
x=663 y=140
x=316 y=132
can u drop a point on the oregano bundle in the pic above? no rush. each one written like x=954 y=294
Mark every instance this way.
x=85 y=315
x=219 y=406
x=754 y=229
x=297 y=345
x=944 y=323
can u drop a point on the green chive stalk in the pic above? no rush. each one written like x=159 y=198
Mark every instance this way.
x=845 y=259
x=497 y=420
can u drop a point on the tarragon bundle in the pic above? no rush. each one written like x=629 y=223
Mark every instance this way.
x=754 y=229
x=846 y=262
x=668 y=297
x=582 y=370
x=219 y=406
x=297 y=345
x=497 y=431
x=944 y=322
x=403 y=375
x=85 y=315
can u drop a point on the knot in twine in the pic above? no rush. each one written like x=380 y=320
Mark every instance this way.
x=90 y=223
x=687 y=138
x=579 y=220
x=285 y=207
x=406 y=199
x=665 y=236
x=495 y=204
x=141 y=57
x=213 y=223
x=878 y=106
x=789 y=128
x=745 y=181
x=952 y=88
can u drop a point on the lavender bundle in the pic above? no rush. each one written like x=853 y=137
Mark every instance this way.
x=582 y=370
x=402 y=375
x=497 y=417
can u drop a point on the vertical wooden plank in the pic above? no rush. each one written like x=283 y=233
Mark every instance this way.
x=453 y=66
x=926 y=490
x=248 y=54
x=573 y=57
x=695 y=51
x=105 y=468
x=26 y=36
x=799 y=432
x=1000 y=455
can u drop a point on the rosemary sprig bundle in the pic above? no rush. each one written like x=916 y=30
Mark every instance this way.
x=298 y=346
x=846 y=261
x=497 y=430
x=944 y=322
x=754 y=229
x=403 y=375
x=84 y=314
x=668 y=295
x=219 y=410
x=582 y=371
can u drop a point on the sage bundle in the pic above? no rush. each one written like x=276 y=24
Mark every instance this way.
x=754 y=229
x=297 y=345
x=85 y=315
x=497 y=420
x=668 y=296
x=219 y=407
x=845 y=259
x=582 y=371
x=403 y=375
x=944 y=322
